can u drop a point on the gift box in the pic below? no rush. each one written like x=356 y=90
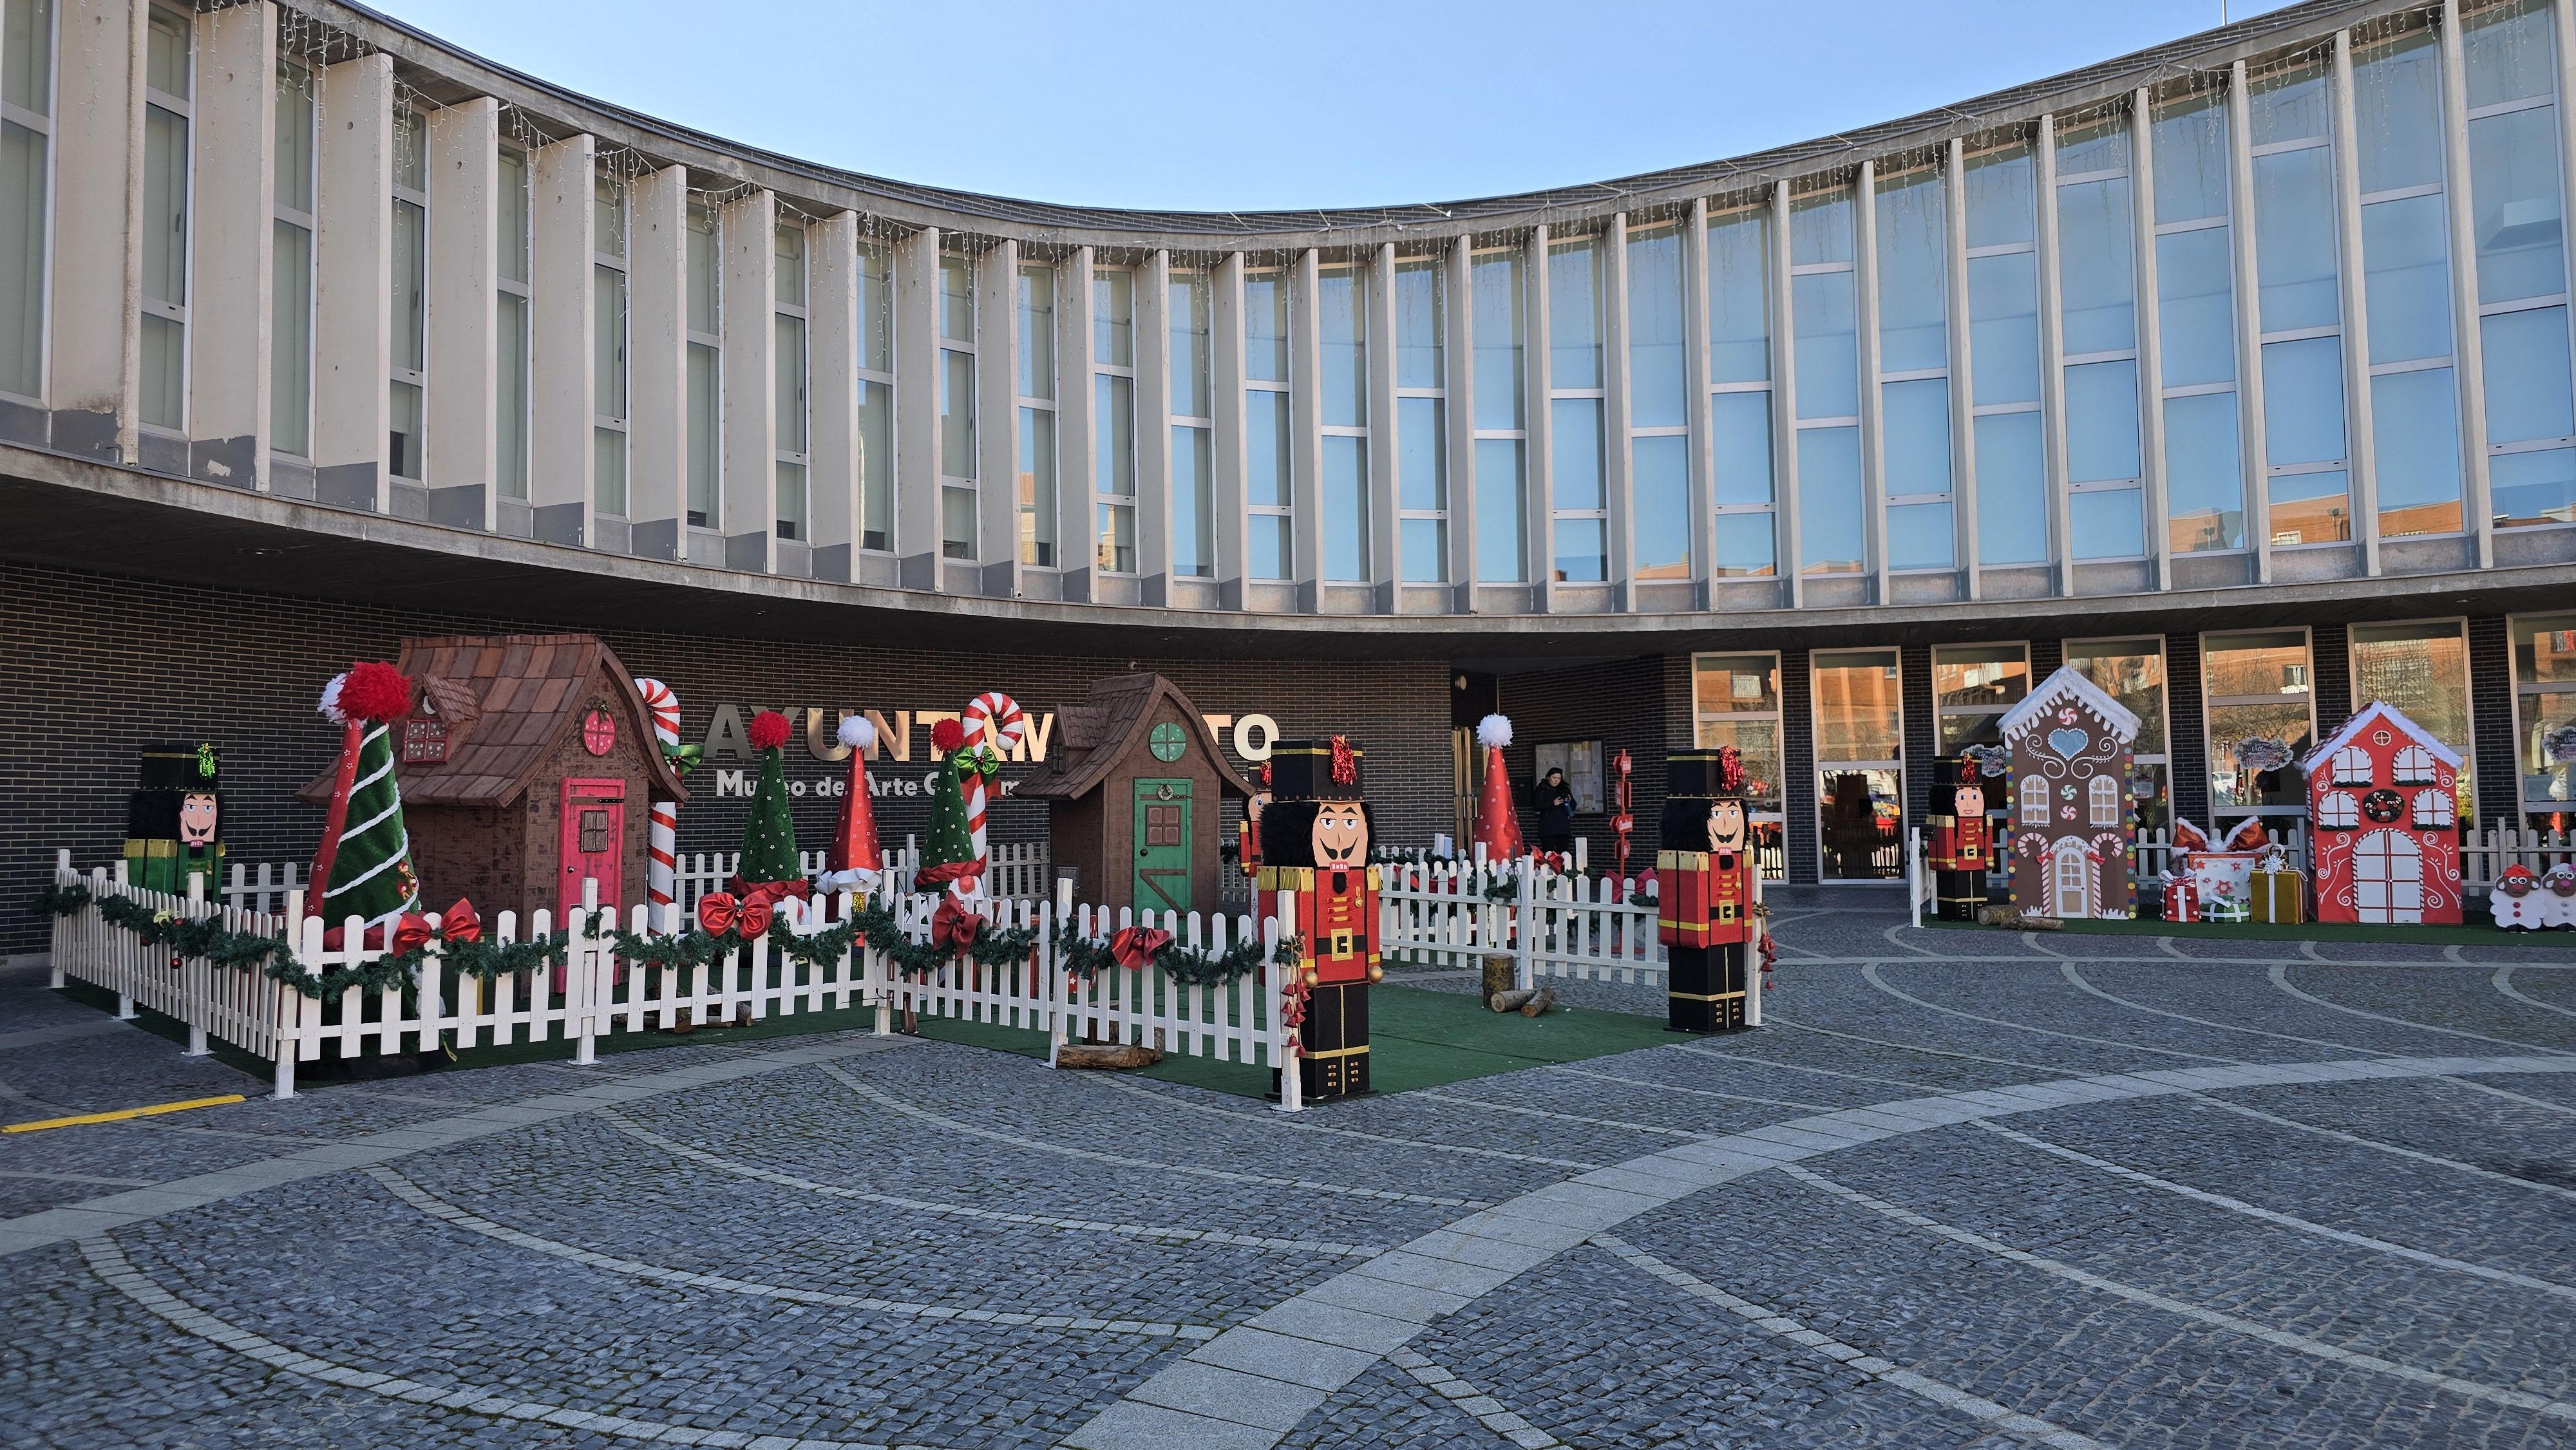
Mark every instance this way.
x=2226 y=909
x=2182 y=898
x=2280 y=896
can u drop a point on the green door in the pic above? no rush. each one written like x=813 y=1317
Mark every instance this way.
x=1162 y=845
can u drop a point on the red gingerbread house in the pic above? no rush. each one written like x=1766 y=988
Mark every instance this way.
x=2383 y=802
x=2070 y=825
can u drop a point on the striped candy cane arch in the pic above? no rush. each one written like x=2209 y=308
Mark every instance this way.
x=994 y=719
x=662 y=839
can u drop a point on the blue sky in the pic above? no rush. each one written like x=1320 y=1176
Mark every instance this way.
x=1321 y=104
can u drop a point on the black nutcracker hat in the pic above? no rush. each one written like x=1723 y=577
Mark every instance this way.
x=1314 y=770
x=168 y=774
x=1693 y=779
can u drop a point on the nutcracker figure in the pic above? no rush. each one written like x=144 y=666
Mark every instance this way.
x=1248 y=847
x=1704 y=873
x=174 y=822
x=1314 y=842
x=1958 y=845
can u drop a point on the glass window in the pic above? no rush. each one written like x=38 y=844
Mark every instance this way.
x=510 y=394
x=787 y=274
x=2106 y=523
x=2303 y=401
x=876 y=465
x=1114 y=403
x=1036 y=325
x=2513 y=175
x=1972 y=686
x=1117 y=548
x=2001 y=184
x=2526 y=371
x=2196 y=306
x=1193 y=509
x=409 y=349
x=1747 y=546
x=1820 y=228
x=2257 y=711
x=2544 y=687
x=1822 y=333
x=957 y=413
x=1658 y=381
x=1495 y=280
x=1913 y=275
x=1422 y=474
x=2290 y=104
x=513 y=209
x=2533 y=488
x=2096 y=267
x=26 y=55
x=2204 y=478
x=1420 y=292
x=1736 y=699
x=1498 y=510
x=1574 y=313
x=706 y=424
x=788 y=376
x=2509 y=53
x=876 y=308
x=1113 y=319
x=1857 y=714
x=23 y=166
x=956 y=523
x=2012 y=490
x=1425 y=544
x=2294 y=239
x=1659 y=482
x=2406 y=278
x=2421 y=670
x=1859 y=784
x=2102 y=422
x=1830 y=537
x=1574 y=451
x=1266 y=449
x=956 y=299
x=1739 y=297
x=2003 y=328
x=704 y=295
x=1741 y=429
x=1916 y=437
x=2132 y=671
x=2415 y=440
x=2397 y=113
x=2191 y=159
x=1265 y=327
x=1346 y=508
x=1037 y=487
x=1192 y=396
x=1342 y=347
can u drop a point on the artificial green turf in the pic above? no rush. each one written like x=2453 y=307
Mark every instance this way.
x=2478 y=935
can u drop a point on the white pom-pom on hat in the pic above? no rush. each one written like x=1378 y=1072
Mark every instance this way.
x=330 y=706
x=858 y=732
x=1494 y=731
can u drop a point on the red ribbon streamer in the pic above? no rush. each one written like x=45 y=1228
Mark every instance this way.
x=1133 y=946
x=1346 y=766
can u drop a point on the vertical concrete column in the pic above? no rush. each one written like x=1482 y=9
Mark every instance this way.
x=1458 y=347
x=657 y=361
x=353 y=281
x=2468 y=361
x=1154 y=427
x=1703 y=446
x=1873 y=430
x=464 y=260
x=1225 y=327
x=832 y=447
x=997 y=421
x=1963 y=427
x=916 y=410
x=2052 y=362
x=1306 y=435
x=1538 y=500
x=1616 y=490
x=1784 y=402
x=1384 y=485
x=748 y=232
x=1075 y=531
x=2151 y=368
x=2359 y=444
x=2249 y=321
x=95 y=379
x=229 y=307
x=563 y=399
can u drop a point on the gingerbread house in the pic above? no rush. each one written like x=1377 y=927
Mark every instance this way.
x=528 y=764
x=2070 y=825
x=2384 y=806
x=1136 y=788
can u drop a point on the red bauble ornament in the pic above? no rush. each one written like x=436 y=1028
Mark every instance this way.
x=946 y=736
x=375 y=690
x=769 y=730
x=598 y=731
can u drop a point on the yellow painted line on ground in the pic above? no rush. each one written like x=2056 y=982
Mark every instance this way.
x=120 y=1114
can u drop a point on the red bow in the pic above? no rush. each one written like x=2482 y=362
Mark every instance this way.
x=953 y=926
x=718 y=912
x=1346 y=766
x=456 y=924
x=1133 y=946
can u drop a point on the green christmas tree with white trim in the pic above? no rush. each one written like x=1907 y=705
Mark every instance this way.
x=363 y=867
x=769 y=837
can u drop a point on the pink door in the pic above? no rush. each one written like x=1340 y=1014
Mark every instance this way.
x=594 y=841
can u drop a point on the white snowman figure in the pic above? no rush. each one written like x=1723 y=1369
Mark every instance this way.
x=2557 y=897
x=2517 y=900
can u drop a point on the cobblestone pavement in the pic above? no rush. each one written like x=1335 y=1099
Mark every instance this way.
x=1964 y=1189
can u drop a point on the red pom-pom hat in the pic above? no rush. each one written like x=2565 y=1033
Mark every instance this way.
x=374 y=690
x=769 y=730
x=946 y=736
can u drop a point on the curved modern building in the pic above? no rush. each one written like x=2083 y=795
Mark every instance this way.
x=2235 y=373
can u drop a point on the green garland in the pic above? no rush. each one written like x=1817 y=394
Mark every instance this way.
x=1191 y=966
x=873 y=924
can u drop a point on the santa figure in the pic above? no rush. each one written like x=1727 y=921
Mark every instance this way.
x=2517 y=901
x=2557 y=897
x=1498 y=819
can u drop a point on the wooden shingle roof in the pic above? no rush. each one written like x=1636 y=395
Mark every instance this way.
x=1093 y=736
x=509 y=700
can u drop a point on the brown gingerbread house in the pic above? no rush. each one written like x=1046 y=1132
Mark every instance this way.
x=528 y=764
x=1137 y=789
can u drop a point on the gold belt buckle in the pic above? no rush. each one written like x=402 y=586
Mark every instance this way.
x=1341 y=944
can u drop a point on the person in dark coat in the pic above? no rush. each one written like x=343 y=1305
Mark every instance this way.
x=1555 y=812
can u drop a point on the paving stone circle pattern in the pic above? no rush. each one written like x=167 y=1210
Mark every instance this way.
x=1964 y=1189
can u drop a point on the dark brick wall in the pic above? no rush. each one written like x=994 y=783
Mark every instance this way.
x=2330 y=676
x=2188 y=751
x=1621 y=703
x=93 y=667
x=2499 y=755
x=1798 y=766
x=1922 y=729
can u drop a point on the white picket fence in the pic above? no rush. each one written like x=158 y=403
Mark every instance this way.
x=1555 y=924
x=597 y=993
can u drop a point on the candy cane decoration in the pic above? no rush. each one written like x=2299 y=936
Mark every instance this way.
x=994 y=719
x=662 y=837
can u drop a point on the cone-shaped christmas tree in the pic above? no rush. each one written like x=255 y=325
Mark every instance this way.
x=1498 y=820
x=948 y=851
x=769 y=838
x=853 y=861
x=363 y=867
